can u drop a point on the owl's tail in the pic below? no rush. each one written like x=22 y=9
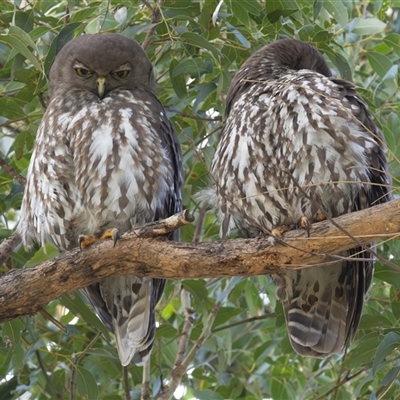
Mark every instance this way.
x=323 y=305
x=126 y=305
x=133 y=312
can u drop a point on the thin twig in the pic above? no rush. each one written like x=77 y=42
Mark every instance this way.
x=187 y=327
x=179 y=371
x=127 y=391
x=346 y=379
x=13 y=121
x=167 y=225
x=12 y=172
x=8 y=245
x=195 y=117
x=67 y=15
x=245 y=321
x=56 y=393
x=146 y=381
x=78 y=358
x=58 y=324
x=155 y=17
x=72 y=384
x=345 y=231
x=200 y=222
x=42 y=101
x=147 y=4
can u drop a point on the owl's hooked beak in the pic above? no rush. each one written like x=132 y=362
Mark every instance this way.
x=101 y=86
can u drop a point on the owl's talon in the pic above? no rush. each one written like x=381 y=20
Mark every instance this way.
x=305 y=224
x=111 y=233
x=320 y=217
x=115 y=235
x=81 y=239
x=86 y=240
x=278 y=232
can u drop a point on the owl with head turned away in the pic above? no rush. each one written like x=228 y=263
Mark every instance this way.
x=106 y=159
x=297 y=146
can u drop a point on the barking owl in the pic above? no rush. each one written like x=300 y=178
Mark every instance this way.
x=106 y=156
x=295 y=133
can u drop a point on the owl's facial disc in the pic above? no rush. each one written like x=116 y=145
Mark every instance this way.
x=101 y=81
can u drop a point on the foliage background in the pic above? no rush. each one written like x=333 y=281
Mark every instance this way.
x=196 y=48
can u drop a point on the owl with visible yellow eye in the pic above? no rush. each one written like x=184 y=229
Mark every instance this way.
x=106 y=158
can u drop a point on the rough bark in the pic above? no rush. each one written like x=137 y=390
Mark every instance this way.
x=25 y=291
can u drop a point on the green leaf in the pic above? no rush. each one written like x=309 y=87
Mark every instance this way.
x=393 y=40
x=86 y=384
x=240 y=12
x=386 y=347
x=7 y=388
x=252 y=6
x=275 y=15
x=232 y=282
x=225 y=314
x=167 y=331
x=18 y=357
x=391 y=375
x=278 y=388
x=340 y=62
x=20 y=41
x=375 y=321
x=178 y=80
x=79 y=308
x=66 y=34
x=12 y=330
x=338 y=10
x=386 y=273
x=196 y=288
x=253 y=300
x=46 y=252
x=369 y=26
x=363 y=353
x=10 y=109
x=207 y=394
x=380 y=63
x=389 y=81
x=200 y=42
x=238 y=35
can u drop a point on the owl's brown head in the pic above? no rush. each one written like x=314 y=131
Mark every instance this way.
x=99 y=64
x=272 y=61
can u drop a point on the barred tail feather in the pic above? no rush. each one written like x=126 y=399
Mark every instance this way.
x=323 y=305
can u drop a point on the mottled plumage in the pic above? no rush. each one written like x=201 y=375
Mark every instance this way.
x=106 y=156
x=289 y=124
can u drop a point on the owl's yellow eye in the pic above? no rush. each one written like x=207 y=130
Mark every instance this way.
x=83 y=72
x=120 y=74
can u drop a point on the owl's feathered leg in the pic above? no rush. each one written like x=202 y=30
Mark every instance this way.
x=87 y=240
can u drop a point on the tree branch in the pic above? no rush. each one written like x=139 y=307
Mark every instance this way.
x=12 y=172
x=8 y=245
x=25 y=291
x=155 y=17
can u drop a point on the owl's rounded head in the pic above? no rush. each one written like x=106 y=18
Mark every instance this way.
x=294 y=54
x=100 y=63
x=272 y=61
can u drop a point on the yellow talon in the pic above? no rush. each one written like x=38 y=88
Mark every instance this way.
x=281 y=230
x=305 y=224
x=87 y=240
